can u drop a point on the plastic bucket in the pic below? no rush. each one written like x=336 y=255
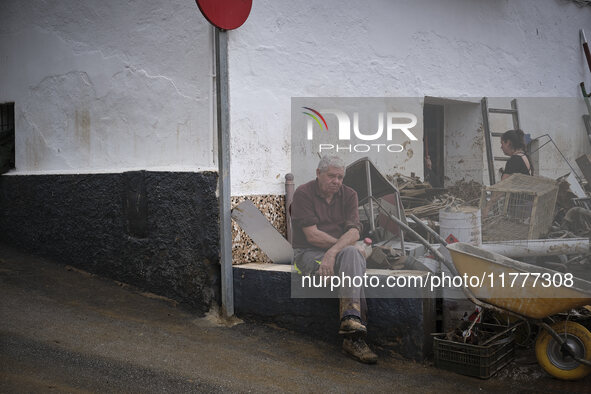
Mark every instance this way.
x=460 y=224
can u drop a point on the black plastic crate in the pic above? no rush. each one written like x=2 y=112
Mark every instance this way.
x=474 y=360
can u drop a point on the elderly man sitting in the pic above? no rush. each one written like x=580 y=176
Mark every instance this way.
x=326 y=225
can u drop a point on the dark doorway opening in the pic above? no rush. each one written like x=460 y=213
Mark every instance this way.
x=433 y=144
x=6 y=137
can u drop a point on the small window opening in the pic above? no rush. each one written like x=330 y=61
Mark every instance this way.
x=6 y=137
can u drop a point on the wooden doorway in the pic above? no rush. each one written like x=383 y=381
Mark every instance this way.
x=433 y=144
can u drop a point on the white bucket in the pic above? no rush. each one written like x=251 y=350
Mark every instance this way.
x=462 y=224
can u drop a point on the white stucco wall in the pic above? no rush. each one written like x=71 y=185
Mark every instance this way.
x=561 y=118
x=108 y=85
x=375 y=48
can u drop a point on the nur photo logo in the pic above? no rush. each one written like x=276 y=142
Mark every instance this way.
x=390 y=125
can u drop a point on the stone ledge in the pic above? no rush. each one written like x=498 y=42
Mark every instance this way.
x=403 y=325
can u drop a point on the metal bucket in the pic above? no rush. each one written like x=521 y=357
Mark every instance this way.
x=460 y=224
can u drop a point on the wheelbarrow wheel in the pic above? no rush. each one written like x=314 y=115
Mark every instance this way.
x=556 y=362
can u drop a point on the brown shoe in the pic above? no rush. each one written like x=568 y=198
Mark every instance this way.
x=352 y=326
x=358 y=349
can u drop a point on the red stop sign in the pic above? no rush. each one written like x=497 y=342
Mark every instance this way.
x=225 y=14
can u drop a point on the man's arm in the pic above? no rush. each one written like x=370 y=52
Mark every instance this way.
x=349 y=238
x=328 y=260
x=319 y=238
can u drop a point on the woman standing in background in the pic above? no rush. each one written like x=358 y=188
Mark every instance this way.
x=513 y=144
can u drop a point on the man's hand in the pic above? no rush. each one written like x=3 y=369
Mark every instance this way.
x=327 y=264
x=428 y=163
x=329 y=258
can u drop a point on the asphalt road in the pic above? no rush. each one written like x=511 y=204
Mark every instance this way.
x=62 y=330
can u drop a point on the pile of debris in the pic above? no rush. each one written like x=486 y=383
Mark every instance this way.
x=424 y=201
x=572 y=215
x=478 y=328
x=385 y=257
x=468 y=191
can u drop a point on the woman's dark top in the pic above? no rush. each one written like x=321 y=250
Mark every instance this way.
x=516 y=165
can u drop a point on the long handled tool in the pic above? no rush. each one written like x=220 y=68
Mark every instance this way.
x=586 y=117
x=585 y=97
x=585 y=47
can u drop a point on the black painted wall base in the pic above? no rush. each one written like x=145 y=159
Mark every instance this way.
x=263 y=292
x=154 y=230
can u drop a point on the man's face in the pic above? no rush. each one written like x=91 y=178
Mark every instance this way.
x=330 y=180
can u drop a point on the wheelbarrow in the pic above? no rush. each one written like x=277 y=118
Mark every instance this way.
x=533 y=294
x=563 y=348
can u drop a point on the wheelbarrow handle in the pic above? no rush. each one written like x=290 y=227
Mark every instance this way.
x=422 y=240
x=438 y=256
x=438 y=237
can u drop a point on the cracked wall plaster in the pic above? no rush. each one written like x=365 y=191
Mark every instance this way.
x=403 y=48
x=108 y=86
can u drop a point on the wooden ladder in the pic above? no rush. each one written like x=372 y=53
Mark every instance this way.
x=488 y=135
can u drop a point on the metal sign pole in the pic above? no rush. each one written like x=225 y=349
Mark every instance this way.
x=223 y=120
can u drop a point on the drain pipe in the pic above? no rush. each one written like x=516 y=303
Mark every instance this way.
x=289 y=186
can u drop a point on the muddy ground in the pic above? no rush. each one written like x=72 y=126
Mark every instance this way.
x=62 y=330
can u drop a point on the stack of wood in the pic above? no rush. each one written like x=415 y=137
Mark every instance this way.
x=470 y=192
x=411 y=186
x=419 y=198
x=433 y=208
